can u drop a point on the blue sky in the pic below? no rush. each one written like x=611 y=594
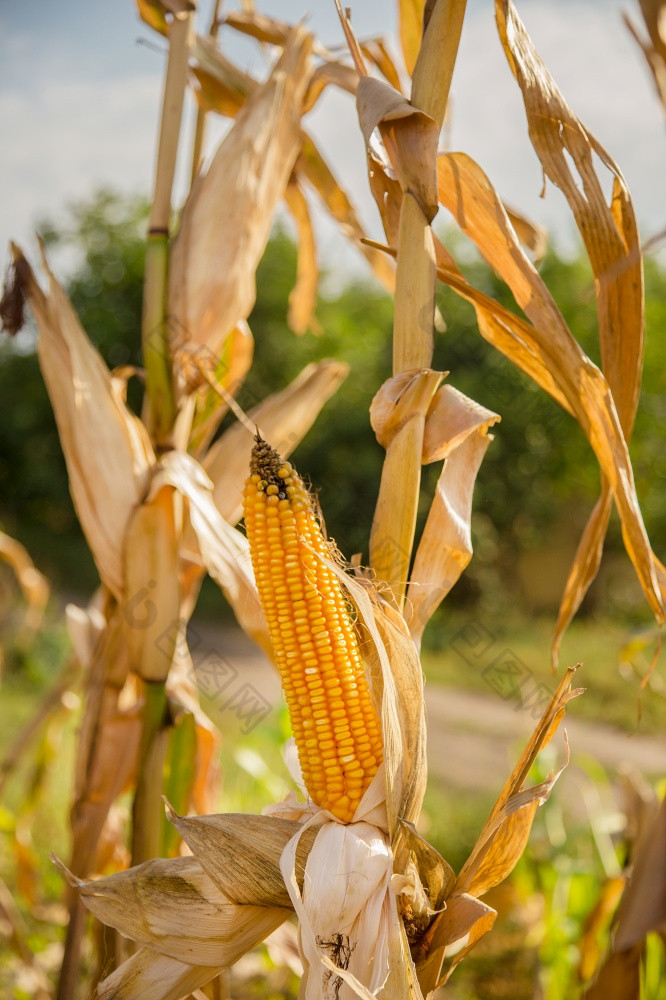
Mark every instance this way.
x=80 y=93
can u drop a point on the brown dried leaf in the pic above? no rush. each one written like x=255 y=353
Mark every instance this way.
x=457 y=430
x=411 y=28
x=619 y=977
x=229 y=373
x=227 y=218
x=398 y=414
x=611 y=239
x=453 y=935
x=259 y=26
x=303 y=296
x=654 y=50
x=410 y=136
x=312 y=167
x=33 y=584
x=223 y=550
x=107 y=449
x=643 y=905
x=241 y=853
x=505 y=832
x=596 y=924
x=375 y=51
x=548 y=352
x=148 y=975
x=214 y=94
x=530 y=233
x=151 y=602
x=336 y=73
x=172 y=907
x=283 y=420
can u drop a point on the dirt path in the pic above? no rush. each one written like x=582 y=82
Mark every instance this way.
x=473 y=739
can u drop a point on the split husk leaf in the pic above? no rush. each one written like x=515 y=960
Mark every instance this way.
x=227 y=218
x=107 y=450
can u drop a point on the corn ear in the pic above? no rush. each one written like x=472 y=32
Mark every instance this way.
x=335 y=722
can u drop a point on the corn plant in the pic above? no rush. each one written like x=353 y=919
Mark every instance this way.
x=379 y=911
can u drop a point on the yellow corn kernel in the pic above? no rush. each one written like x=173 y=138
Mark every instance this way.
x=335 y=723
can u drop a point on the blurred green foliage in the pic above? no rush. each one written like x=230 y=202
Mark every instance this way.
x=538 y=473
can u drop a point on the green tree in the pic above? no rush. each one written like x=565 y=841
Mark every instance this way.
x=538 y=472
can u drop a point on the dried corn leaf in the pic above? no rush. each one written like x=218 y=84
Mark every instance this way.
x=312 y=166
x=548 y=352
x=596 y=925
x=505 y=832
x=107 y=450
x=152 y=13
x=411 y=29
x=456 y=430
x=336 y=73
x=654 y=50
x=619 y=977
x=151 y=602
x=375 y=51
x=215 y=64
x=283 y=421
x=231 y=367
x=457 y=930
x=303 y=296
x=227 y=218
x=398 y=415
x=172 y=907
x=530 y=233
x=612 y=243
x=241 y=854
x=259 y=26
x=148 y=975
x=643 y=905
x=214 y=94
x=410 y=137
x=33 y=584
x=224 y=551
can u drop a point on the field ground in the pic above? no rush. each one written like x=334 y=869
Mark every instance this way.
x=477 y=727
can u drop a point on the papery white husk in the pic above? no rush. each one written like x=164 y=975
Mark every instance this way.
x=349 y=925
x=347 y=912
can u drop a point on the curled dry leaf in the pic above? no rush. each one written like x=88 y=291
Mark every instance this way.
x=546 y=350
x=152 y=596
x=231 y=367
x=227 y=218
x=409 y=134
x=303 y=296
x=222 y=550
x=241 y=853
x=283 y=420
x=312 y=167
x=147 y=904
x=654 y=50
x=33 y=584
x=107 y=449
x=495 y=854
x=398 y=415
x=611 y=239
x=456 y=430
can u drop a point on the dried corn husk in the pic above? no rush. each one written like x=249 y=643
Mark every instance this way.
x=107 y=450
x=227 y=217
x=456 y=429
x=152 y=587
